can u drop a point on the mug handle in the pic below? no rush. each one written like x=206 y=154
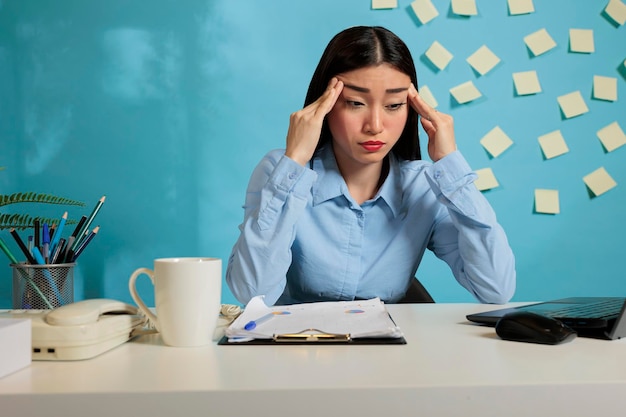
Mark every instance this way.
x=133 y=293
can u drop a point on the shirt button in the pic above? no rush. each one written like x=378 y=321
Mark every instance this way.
x=438 y=174
x=292 y=175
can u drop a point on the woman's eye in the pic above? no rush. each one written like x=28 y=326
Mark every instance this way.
x=352 y=103
x=396 y=106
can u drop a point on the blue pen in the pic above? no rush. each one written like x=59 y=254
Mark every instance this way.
x=251 y=325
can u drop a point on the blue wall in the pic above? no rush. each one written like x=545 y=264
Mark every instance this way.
x=166 y=106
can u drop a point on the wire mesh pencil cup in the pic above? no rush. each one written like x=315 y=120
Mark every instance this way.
x=42 y=286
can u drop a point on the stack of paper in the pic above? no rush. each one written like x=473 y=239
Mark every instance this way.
x=359 y=319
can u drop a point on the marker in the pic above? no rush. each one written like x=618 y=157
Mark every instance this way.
x=85 y=227
x=252 y=324
x=45 y=242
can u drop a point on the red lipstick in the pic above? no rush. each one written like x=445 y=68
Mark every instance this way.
x=372 y=145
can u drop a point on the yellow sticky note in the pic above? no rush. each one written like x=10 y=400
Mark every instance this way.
x=604 y=88
x=547 y=201
x=526 y=82
x=599 y=181
x=464 y=7
x=616 y=10
x=572 y=104
x=553 y=144
x=428 y=96
x=496 y=141
x=581 y=40
x=384 y=4
x=611 y=136
x=438 y=55
x=483 y=60
x=486 y=179
x=539 y=42
x=466 y=92
x=520 y=7
x=424 y=10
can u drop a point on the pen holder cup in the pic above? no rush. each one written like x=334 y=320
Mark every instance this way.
x=42 y=286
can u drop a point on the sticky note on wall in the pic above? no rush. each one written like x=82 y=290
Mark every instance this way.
x=438 y=55
x=424 y=10
x=428 y=96
x=464 y=7
x=539 y=42
x=466 y=92
x=486 y=179
x=547 y=201
x=604 y=88
x=581 y=40
x=553 y=144
x=526 y=82
x=599 y=181
x=520 y=7
x=384 y=4
x=483 y=60
x=612 y=137
x=572 y=104
x=616 y=10
x=496 y=141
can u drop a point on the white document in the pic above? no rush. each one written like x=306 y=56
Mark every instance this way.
x=363 y=318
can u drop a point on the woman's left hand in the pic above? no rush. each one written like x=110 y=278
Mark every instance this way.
x=438 y=126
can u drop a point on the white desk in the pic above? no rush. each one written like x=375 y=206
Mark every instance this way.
x=448 y=368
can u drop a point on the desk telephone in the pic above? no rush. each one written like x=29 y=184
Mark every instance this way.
x=80 y=330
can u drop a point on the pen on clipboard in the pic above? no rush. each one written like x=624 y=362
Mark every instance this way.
x=252 y=324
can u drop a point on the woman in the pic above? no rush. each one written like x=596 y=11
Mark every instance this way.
x=347 y=210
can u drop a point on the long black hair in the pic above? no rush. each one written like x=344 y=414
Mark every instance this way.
x=359 y=47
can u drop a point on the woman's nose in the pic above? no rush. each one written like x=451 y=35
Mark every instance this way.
x=374 y=124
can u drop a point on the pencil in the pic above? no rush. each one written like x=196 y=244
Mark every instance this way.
x=85 y=227
x=57 y=233
x=7 y=252
x=23 y=247
x=84 y=243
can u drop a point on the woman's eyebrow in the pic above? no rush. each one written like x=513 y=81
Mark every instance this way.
x=367 y=90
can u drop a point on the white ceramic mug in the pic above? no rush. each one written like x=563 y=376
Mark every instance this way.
x=187 y=297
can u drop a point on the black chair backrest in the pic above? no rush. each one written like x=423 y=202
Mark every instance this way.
x=416 y=294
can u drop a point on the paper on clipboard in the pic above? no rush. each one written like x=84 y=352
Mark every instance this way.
x=359 y=319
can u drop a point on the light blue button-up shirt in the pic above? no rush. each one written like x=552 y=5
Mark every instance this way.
x=305 y=239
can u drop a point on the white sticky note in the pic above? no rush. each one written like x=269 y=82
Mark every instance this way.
x=612 y=136
x=486 y=179
x=464 y=7
x=581 y=40
x=572 y=104
x=483 y=60
x=428 y=96
x=599 y=181
x=424 y=10
x=547 y=201
x=553 y=144
x=604 y=88
x=466 y=92
x=438 y=55
x=384 y=4
x=496 y=141
x=616 y=10
x=526 y=82
x=539 y=42
x=520 y=7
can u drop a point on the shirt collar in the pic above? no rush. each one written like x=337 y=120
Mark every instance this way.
x=330 y=184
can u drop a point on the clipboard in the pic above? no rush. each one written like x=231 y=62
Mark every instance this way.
x=326 y=323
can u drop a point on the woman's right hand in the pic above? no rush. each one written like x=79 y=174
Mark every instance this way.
x=305 y=126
